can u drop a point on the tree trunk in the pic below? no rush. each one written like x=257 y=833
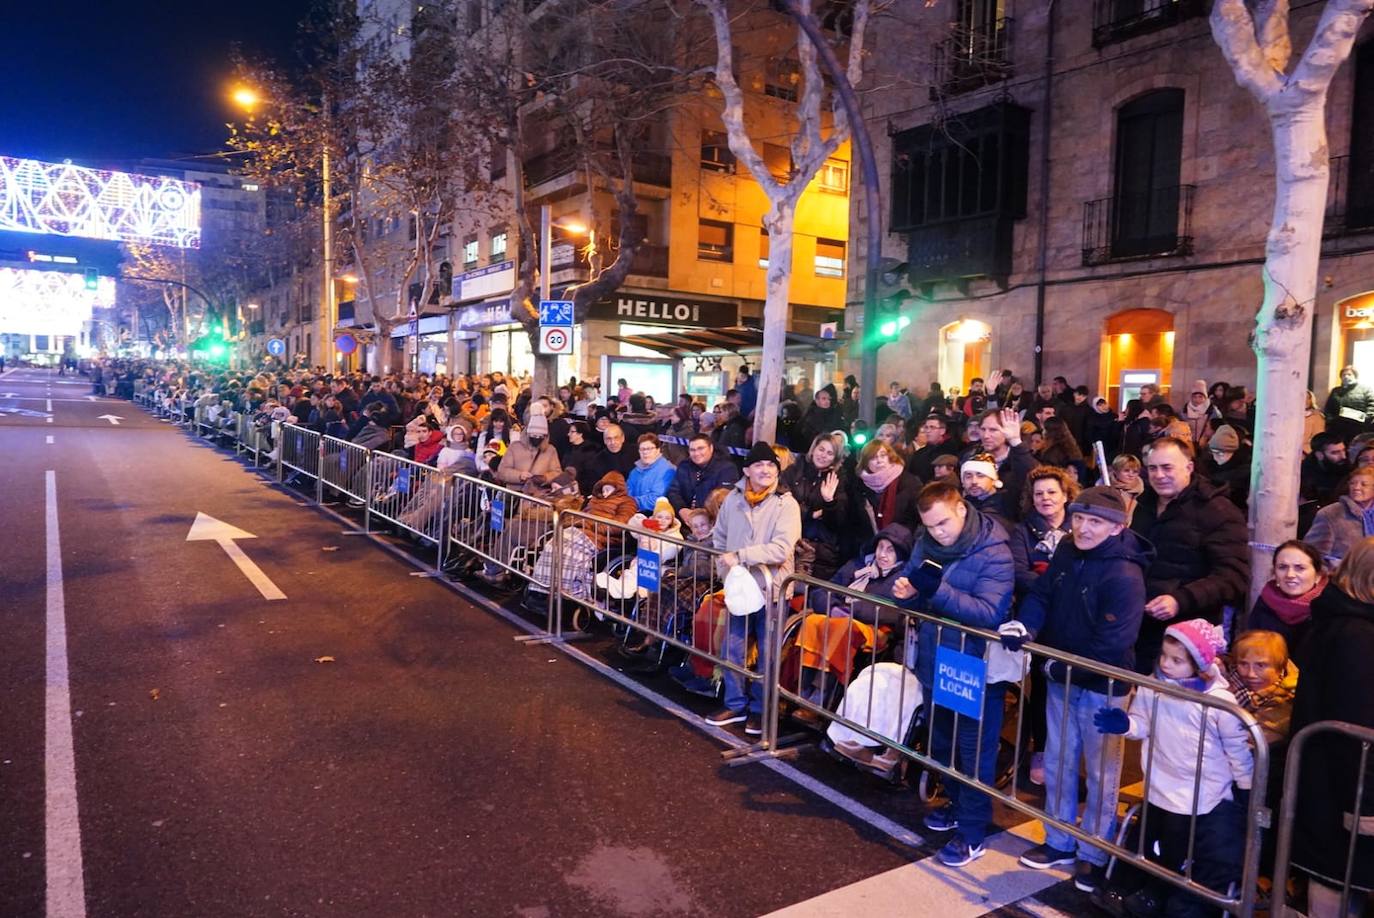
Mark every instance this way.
x=776 y=310
x=1282 y=340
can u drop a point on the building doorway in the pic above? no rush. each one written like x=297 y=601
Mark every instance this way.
x=965 y=353
x=1137 y=348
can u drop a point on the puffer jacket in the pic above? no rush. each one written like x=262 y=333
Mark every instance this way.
x=1201 y=558
x=693 y=483
x=1090 y=604
x=762 y=536
x=646 y=486
x=1171 y=747
x=975 y=589
x=619 y=507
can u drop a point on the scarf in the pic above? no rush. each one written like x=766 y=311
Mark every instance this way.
x=1291 y=610
x=645 y=466
x=1199 y=683
x=944 y=554
x=754 y=498
x=870 y=570
x=878 y=482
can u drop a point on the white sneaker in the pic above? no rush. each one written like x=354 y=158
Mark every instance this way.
x=1037 y=768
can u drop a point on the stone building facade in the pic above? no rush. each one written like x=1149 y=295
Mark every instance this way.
x=1155 y=192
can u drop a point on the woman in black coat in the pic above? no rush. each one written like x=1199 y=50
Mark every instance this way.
x=1336 y=683
x=885 y=493
x=822 y=487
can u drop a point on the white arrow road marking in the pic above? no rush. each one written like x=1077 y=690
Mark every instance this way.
x=62 y=832
x=112 y=418
x=208 y=529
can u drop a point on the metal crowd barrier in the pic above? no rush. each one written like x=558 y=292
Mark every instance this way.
x=344 y=467
x=962 y=676
x=501 y=526
x=409 y=495
x=1333 y=895
x=298 y=449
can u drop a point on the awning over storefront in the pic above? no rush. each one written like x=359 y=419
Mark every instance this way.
x=715 y=341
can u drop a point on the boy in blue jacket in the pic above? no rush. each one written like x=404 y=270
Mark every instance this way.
x=1089 y=603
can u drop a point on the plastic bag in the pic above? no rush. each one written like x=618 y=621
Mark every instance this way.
x=742 y=593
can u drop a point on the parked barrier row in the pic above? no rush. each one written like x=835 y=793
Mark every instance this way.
x=842 y=657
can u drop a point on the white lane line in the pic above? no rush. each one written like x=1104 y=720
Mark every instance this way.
x=49 y=420
x=50 y=438
x=66 y=883
x=50 y=404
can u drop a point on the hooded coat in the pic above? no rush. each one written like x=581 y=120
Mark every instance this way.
x=619 y=506
x=879 y=587
x=975 y=589
x=1335 y=685
x=1090 y=604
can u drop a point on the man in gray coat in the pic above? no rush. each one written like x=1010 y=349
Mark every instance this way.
x=758 y=526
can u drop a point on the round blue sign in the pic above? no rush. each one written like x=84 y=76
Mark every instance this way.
x=346 y=344
x=276 y=346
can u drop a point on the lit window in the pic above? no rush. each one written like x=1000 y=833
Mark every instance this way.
x=715 y=152
x=778 y=159
x=498 y=245
x=715 y=241
x=470 y=252
x=250 y=187
x=763 y=247
x=829 y=258
x=834 y=176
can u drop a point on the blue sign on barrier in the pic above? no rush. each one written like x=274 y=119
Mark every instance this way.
x=403 y=479
x=647 y=566
x=498 y=514
x=343 y=462
x=959 y=682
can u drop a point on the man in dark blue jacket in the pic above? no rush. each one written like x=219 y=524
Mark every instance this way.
x=961 y=570
x=1089 y=603
x=698 y=475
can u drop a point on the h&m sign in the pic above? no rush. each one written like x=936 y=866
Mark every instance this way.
x=663 y=310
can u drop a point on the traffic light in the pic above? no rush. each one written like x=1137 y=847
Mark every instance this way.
x=889 y=320
x=92 y=279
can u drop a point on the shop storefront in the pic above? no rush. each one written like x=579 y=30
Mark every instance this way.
x=1356 y=316
x=432 y=344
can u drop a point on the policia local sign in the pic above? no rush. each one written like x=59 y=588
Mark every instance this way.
x=665 y=310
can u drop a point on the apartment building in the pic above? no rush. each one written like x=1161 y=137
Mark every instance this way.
x=1108 y=142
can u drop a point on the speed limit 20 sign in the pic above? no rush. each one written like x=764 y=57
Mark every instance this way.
x=555 y=339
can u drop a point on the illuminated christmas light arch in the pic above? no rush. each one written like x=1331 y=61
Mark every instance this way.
x=66 y=200
x=49 y=302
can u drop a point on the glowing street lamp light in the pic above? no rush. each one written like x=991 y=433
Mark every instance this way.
x=246 y=97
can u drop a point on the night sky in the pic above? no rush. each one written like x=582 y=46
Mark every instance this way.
x=106 y=83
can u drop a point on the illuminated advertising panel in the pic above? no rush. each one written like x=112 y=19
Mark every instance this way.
x=66 y=200
x=49 y=302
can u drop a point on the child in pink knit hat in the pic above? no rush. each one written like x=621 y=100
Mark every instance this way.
x=1176 y=730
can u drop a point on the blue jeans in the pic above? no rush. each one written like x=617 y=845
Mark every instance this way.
x=1072 y=739
x=738 y=697
x=972 y=808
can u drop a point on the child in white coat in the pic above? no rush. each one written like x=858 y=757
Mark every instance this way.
x=1175 y=730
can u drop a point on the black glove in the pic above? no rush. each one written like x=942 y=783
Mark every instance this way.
x=1242 y=795
x=926 y=579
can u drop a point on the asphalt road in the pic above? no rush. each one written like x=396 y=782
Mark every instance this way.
x=434 y=767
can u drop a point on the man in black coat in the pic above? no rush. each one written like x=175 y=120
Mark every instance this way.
x=1001 y=438
x=922 y=462
x=1350 y=406
x=1324 y=470
x=699 y=474
x=1202 y=562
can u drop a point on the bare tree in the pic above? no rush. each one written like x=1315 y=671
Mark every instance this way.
x=811 y=146
x=1256 y=41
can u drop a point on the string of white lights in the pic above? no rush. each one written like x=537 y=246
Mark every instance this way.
x=49 y=302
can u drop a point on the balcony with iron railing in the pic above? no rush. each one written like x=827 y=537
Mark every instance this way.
x=971 y=57
x=1118 y=20
x=1153 y=224
x=650 y=168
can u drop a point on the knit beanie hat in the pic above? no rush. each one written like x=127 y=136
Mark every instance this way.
x=538 y=426
x=1202 y=639
x=1106 y=503
x=983 y=464
x=1225 y=438
x=761 y=452
x=663 y=505
x=1200 y=385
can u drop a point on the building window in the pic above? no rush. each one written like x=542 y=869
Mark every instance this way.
x=498 y=161
x=1149 y=156
x=1359 y=199
x=778 y=159
x=829 y=258
x=1117 y=20
x=470 y=252
x=763 y=247
x=498 y=246
x=715 y=152
x=715 y=240
x=834 y=176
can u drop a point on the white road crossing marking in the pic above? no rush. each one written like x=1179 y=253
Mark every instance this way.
x=49 y=438
x=66 y=896
x=50 y=420
x=50 y=404
x=208 y=529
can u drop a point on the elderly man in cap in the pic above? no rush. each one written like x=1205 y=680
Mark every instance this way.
x=758 y=526
x=1089 y=603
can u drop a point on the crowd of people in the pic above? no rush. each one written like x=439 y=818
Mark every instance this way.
x=1041 y=513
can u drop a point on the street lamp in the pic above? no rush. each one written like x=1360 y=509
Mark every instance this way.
x=247 y=98
x=546 y=225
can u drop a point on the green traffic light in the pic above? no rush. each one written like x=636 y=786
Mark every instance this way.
x=217 y=349
x=887 y=329
x=859 y=439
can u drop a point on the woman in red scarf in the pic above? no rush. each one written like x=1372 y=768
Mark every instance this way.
x=1285 y=604
x=888 y=492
